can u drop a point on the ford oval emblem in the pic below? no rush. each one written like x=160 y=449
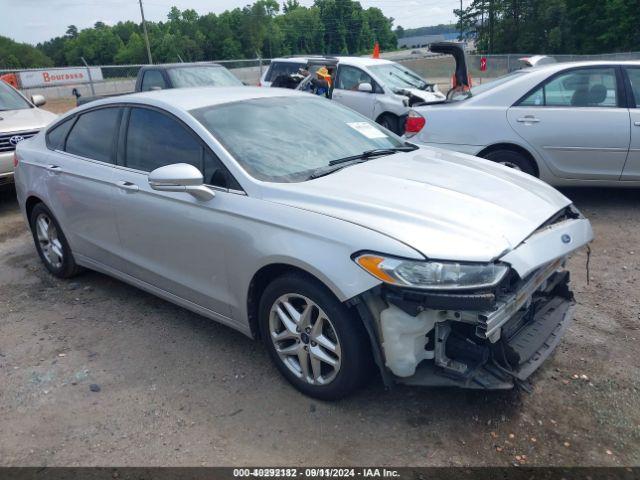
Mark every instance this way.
x=566 y=238
x=16 y=139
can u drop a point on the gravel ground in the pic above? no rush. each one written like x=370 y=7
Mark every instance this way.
x=95 y=372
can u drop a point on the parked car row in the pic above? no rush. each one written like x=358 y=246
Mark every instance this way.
x=379 y=89
x=566 y=123
x=296 y=220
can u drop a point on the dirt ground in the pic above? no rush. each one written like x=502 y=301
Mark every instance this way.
x=60 y=105
x=178 y=389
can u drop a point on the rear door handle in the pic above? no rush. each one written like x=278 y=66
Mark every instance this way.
x=528 y=119
x=128 y=186
x=54 y=168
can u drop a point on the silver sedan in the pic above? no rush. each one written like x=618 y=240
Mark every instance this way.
x=566 y=123
x=298 y=221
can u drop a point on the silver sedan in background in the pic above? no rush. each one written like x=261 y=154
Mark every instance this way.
x=291 y=218
x=566 y=123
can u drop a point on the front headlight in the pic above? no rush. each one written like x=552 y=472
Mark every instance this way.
x=432 y=275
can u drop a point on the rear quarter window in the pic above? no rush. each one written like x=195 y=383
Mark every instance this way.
x=56 y=136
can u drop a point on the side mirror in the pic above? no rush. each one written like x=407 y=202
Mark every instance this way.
x=365 y=87
x=180 y=177
x=38 y=100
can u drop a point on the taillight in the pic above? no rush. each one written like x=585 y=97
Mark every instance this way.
x=414 y=123
x=259 y=83
x=15 y=159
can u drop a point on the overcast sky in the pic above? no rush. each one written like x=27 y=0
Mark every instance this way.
x=33 y=21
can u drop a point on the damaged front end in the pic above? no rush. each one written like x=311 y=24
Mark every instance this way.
x=492 y=338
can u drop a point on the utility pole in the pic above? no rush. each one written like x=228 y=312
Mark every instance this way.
x=146 y=35
x=460 y=34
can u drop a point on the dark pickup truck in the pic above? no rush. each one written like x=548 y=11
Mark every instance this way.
x=175 y=75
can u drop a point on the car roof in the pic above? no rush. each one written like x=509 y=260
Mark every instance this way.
x=363 y=61
x=556 y=67
x=355 y=61
x=291 y=59
x=198 y=97
x=166 y=66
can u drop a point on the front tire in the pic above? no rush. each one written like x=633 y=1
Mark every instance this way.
x=512 y=159
x=315 y=342
x=51 y=244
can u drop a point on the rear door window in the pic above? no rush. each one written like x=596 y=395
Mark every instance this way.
x=579 y=88
x=94 y=134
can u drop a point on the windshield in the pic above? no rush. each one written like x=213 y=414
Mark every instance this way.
x=397 y=77
x=205 y=76
x=486 y=86
x=10 y=99
x=288 y=139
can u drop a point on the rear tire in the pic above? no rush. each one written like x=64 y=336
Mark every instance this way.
x=51 y=244
x=390 y=122
x=313 y=339
x=512 y=159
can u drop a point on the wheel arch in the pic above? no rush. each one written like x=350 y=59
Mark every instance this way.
x=264 y=276
x=30 y=204
x=514 y=148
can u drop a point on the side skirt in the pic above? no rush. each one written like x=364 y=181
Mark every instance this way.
x=170 y=297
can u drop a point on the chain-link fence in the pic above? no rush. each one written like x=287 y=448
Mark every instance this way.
x=118 y=79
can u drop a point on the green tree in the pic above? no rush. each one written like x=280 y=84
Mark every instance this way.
x=21 y=55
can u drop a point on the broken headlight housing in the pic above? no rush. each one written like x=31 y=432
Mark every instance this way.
x=432 y=275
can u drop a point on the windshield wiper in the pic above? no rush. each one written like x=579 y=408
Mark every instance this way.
x=341 y=163
x=377 y=152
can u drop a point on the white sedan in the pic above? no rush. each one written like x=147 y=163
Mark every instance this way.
x=566 y=123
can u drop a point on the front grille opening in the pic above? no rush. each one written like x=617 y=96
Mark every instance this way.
x=6 y=145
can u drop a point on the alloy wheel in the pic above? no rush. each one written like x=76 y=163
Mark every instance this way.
x=305 y=339
x=50 y=244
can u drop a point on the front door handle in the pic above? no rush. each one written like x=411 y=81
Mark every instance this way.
x=637 y=124
x=529 y=119
x=128 y=186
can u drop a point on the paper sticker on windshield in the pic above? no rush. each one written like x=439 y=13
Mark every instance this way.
x=367 y=129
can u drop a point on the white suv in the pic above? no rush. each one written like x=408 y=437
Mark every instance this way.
x=19 y=119
x=379 y=89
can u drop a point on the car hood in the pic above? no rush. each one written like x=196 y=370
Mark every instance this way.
x=445 y=205
x=428 y=97
x=25 y=119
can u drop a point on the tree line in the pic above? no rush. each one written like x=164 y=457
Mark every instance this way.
x=264 y=29
x=553 y=26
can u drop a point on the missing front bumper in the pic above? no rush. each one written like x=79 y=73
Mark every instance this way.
x=417 y=343
x=532 y=344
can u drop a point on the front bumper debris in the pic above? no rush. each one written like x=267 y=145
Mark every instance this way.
x=486 y=340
